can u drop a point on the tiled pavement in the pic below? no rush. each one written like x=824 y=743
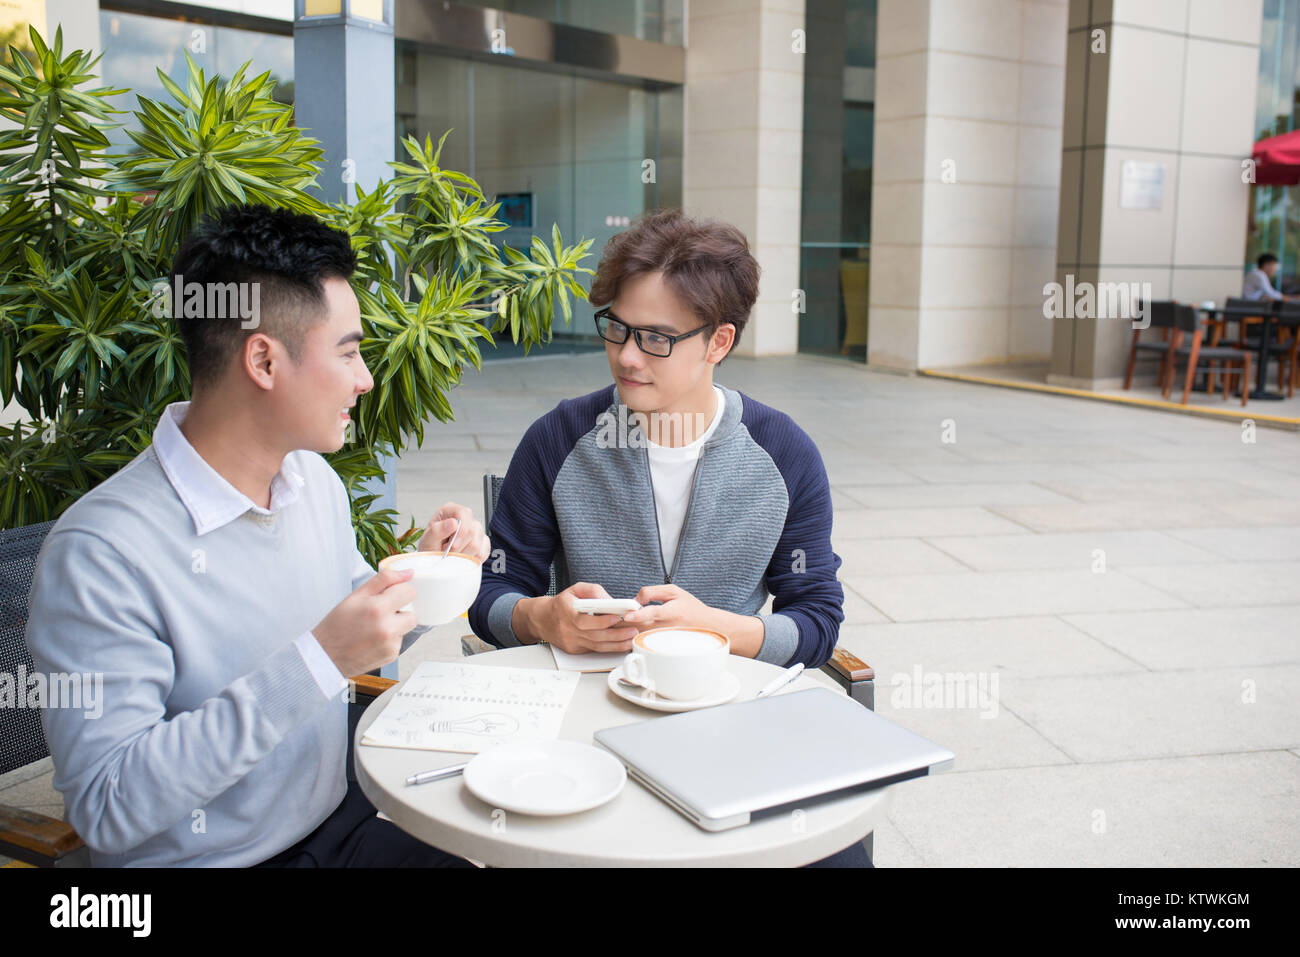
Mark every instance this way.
x=1125 y=582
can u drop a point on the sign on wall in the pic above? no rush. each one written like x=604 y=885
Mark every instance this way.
x=1141 y=185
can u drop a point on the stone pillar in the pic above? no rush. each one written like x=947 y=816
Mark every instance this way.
x=742 y=149
x=965 y=172
x=1159 y=115
x=343 y=65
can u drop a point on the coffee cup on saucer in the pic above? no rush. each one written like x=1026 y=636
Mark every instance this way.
x=445 y=587
x=678 y=663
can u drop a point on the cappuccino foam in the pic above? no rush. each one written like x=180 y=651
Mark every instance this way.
x=681 y=642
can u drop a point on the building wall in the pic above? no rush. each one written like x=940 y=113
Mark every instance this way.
x=969 y=108
x=1174 y=84
x=742 y=147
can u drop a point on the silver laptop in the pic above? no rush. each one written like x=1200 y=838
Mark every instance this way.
x=721 y=766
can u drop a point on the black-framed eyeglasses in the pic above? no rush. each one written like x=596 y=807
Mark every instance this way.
x=615 y=330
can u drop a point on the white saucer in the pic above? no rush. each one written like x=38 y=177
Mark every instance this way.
x=545 y=778
x=728 y=688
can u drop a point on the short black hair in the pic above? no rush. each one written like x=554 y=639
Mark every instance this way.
x=287 y=254
x=1265 y=259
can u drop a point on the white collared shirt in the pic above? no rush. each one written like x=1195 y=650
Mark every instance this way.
x=213 y=502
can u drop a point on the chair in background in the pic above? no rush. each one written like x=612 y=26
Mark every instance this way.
x=1283 y=350
x=1162 y=318
x=1288 y=318
x=1244 y=312
x=39 y=840
x=1236 y=362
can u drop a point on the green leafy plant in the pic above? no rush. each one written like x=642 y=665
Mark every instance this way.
x=88 y=234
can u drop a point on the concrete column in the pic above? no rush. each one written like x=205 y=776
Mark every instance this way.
x=344 y=90
x=742 y=150
x=1169 y=85
x=969 y=98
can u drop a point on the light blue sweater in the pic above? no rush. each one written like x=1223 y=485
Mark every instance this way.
x=218 y=744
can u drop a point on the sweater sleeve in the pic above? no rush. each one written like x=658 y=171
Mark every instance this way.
x=808 y=600
x=525 y=538
x=127 y=769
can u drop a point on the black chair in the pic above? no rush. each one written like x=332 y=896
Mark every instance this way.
x=1162 y=318
x=26 y=836
x=1246 y=313
x=38 y=839
x=1187 y=323
x=1288 y=353
x=1287 y=315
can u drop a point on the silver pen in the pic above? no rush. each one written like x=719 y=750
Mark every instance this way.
x=424 y=777
x=779 y=682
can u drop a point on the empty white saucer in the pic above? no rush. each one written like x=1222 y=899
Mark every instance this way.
x=545 y=778
x=728 y=688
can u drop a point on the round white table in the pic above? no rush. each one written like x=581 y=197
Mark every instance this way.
x=635 y=829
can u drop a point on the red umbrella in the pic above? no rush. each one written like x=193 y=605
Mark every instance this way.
x=1277 y=160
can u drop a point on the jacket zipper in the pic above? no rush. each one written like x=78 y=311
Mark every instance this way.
x=695 y=475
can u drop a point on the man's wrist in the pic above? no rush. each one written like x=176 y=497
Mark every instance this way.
x=744 y=631
x=523 y=620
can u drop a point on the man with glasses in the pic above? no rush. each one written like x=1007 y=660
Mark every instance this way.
x=693 y=499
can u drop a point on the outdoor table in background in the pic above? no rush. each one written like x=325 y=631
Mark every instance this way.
x=635 y=829
x=1268 y=316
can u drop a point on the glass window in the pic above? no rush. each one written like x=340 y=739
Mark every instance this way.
x=1275 y=213
x=839 y=114
x=656 y=20
x=589 y=155
x=136 y=46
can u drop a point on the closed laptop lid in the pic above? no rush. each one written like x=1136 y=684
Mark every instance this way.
x=740 y=758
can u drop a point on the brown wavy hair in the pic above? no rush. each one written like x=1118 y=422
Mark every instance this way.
x=707 y=264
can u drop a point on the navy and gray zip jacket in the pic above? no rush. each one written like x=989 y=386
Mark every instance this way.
x=758 y=521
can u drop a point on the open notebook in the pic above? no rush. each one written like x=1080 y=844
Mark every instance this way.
x=447 y=706
x=589 y=662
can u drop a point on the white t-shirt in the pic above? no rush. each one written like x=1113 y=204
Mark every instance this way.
x=671 y=473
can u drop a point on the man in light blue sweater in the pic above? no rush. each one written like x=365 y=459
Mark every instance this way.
x=215 y=583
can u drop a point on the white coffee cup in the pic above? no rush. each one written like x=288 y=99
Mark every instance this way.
x=444 y=587
x=678 y=663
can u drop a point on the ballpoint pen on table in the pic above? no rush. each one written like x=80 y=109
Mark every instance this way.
x=781 y=680
x=424 y=777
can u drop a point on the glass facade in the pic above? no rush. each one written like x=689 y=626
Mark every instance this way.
x=839 y=118
x=559 y=148
x=1275 y=213
x=656 y=20
x=136 y=46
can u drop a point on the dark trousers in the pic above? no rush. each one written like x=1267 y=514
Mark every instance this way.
x=352 y=836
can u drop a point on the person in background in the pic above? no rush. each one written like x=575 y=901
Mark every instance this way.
x=1258 y=284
